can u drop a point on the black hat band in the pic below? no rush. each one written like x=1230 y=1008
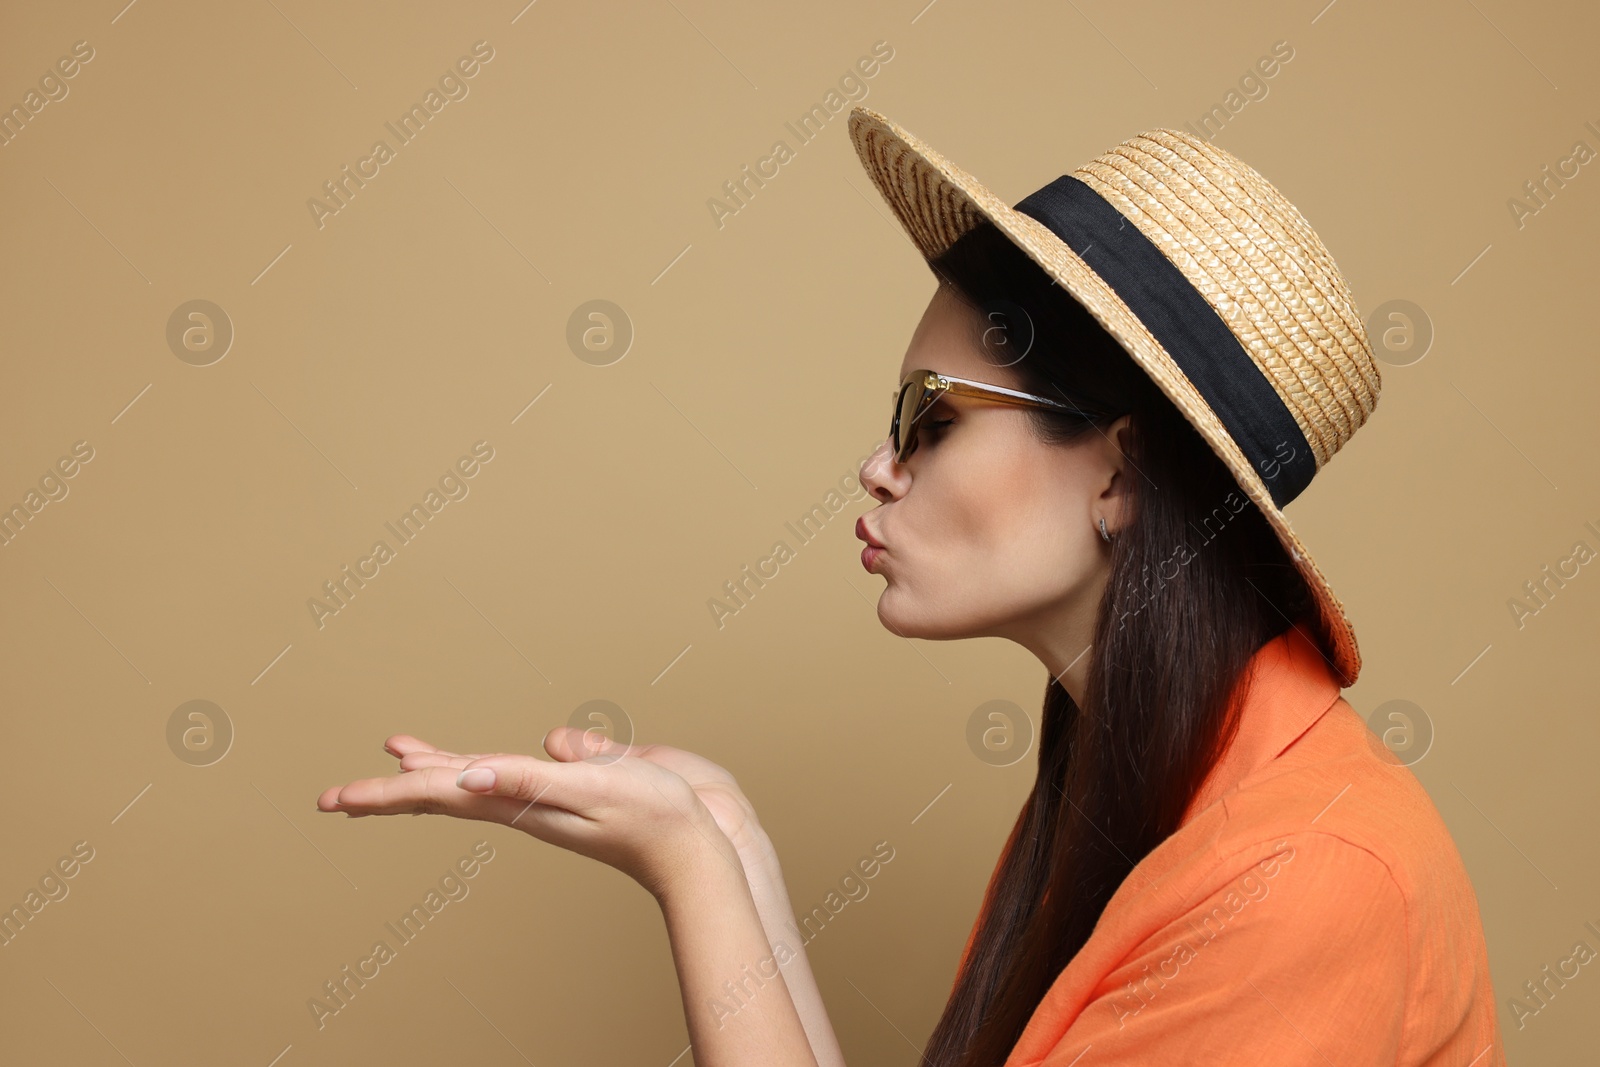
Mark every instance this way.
x=1187 y=327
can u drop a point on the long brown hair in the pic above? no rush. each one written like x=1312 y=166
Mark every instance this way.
x=1198 y=582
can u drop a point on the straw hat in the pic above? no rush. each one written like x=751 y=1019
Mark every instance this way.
x=1212 y=281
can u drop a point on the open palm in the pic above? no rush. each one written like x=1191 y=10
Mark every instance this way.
x=681 y=780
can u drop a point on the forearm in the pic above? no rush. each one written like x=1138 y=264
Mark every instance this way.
x=771 y=895
x=738 y=1009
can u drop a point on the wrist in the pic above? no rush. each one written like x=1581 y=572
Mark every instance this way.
x=701 y=855
x=706 y=873
x=755 y=848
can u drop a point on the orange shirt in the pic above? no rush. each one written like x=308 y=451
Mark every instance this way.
x=1311 y=910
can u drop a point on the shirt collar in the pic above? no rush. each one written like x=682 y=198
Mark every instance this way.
x=1286 y=686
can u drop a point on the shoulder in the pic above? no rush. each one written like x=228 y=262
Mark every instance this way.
x=1339 y=790
x=1377 y=883
x=1344 y=830
x=1325 y=890
x=1288 y=950
x=1320 y=907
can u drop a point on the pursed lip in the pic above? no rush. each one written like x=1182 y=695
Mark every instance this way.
x=865 y=534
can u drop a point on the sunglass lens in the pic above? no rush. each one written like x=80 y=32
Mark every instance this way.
x=905 y=419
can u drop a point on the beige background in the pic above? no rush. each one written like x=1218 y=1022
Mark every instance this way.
x=429 y=312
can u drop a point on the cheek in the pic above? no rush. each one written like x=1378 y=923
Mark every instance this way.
x=1020 y=532
x=992 y=508
x=999 y=525
x=1005 y=495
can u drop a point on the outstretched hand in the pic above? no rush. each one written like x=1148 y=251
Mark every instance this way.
x=651 y=811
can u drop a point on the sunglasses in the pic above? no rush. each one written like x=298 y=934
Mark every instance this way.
x=920 y=389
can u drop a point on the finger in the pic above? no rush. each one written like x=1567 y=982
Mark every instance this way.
x=328 y=800
x=429 y=791
x=401 y=744
x=564 y=743
x=553 y=801
x=524 y=798
x=404 y=744
x=576 y=787
x=413 y=761
x=570 y=744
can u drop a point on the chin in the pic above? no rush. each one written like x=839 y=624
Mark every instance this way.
x=927 y=622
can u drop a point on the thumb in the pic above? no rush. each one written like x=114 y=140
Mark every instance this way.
x=569 y=744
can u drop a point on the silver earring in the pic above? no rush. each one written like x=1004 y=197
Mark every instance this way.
x=1103 y=535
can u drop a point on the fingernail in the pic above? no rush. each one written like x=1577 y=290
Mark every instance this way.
x=476 y=780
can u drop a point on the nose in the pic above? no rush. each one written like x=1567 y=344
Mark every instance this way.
x=882 y=476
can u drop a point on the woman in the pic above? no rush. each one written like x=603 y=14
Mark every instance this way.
x=1112 y=393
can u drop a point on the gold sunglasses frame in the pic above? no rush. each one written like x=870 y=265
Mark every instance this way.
x=935 y=384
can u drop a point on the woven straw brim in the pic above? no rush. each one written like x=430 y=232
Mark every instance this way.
x=936 y=201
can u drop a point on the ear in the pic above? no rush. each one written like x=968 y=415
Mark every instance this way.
x=1115 y=496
